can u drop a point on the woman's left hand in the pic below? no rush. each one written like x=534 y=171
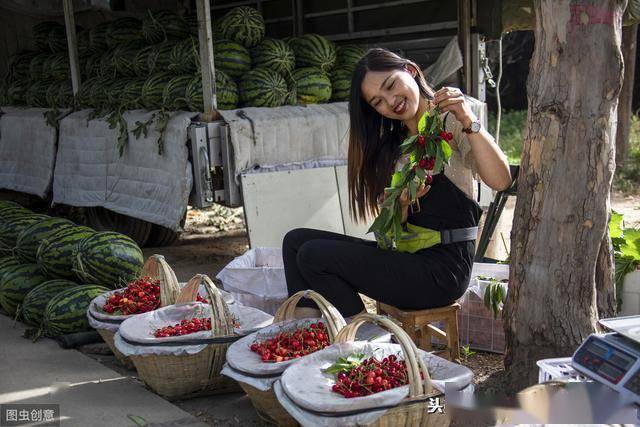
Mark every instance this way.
x=452 y=100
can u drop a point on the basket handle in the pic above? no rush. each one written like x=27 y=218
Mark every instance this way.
x=415 y=364
x=335 y=321
x=221 y=319
x=157 y=268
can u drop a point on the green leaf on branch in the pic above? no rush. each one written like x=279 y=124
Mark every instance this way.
x=422 y=123
x=413 y=190
x=446 y=150
x=408 y=141
x=438 y=164
x=396 y=179
x=615 y=225
x=346 y=363
x=421 y=174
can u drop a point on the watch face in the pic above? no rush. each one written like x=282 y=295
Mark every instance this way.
x=475 y=127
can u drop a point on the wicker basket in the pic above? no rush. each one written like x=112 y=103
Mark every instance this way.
x=413 y=410
x=176 y=377
x=157 y=269
x=265 y=402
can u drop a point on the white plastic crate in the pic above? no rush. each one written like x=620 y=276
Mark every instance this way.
x=558 y=369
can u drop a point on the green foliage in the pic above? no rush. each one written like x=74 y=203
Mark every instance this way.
x=466 y=353
x=626 y=249
x=627 y=177
x=346 y=363
x=512 y=125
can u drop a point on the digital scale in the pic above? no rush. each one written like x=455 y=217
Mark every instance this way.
x=613 y=358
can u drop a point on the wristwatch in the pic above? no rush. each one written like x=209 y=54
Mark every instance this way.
x=474 y=127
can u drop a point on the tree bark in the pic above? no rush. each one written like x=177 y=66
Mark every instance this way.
x=629 y=35
x=564 y=185
x=605 y=279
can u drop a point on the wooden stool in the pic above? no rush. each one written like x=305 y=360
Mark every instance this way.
x=418 y=325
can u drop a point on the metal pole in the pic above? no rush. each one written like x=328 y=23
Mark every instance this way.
x=72 y=44
x=206 y=59
x=464 y=39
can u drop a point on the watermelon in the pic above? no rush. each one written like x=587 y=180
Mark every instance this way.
x=66 y=312
x=7 y=261
x=19 y=64
x=348 y=56
x=275 y=55
x=98 y=36
x=56 y=253
x=261 y=87
x=107 y=68
x=84 y=43
x=30 y=237
x=42 y=31
x=57 y=39
x=108 y=258
x=173 y=97
x=60 y=94
x=232 y=58
x=9 y=230
x=36 y=93
x=17 y=92
x=57 y=67
x=114 y=90
x=312 y=85
x=123 y=30
x=92 y=92
x=123 y=58
x=16 y=283
x=313 y=50
x=226 y=93
x=131 y=93
x=185 y=57
x=161 y=25
x=37 y=66
x=153 y=90
x=244 y=25
x=35 y=302
x=9 y=204
x=340 y=84
x=90 y=65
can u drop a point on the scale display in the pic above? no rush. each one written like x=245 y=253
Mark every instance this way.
x=603 y=359
x=613 y=359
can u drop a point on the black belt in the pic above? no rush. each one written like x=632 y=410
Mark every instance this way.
x=458 y=235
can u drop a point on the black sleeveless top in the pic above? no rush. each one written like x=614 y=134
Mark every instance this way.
x=445 y=206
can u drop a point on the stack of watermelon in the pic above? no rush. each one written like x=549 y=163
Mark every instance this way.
x=154 y=63
x=51 y=268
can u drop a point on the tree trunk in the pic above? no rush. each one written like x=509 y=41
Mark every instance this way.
x=565 y=179
x=605 y=279
x=626 y=96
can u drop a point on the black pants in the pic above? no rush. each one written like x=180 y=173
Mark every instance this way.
x=339 y=267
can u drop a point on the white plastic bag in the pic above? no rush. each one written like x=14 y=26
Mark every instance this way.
x=256 y=279
x=135 y=336
x=98 y=319
x=309 y=387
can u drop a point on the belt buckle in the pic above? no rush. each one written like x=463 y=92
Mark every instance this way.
x=417 y=208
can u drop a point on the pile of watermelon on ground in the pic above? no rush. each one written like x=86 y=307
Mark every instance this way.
x=51 y=269
x=154 y=64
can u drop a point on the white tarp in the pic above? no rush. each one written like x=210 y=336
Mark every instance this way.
x=256 y=278
x=288 y=136
x=27 y=150
x=142 y=184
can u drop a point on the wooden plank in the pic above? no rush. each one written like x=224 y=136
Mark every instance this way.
x=206 y=60
x=464 y=39
x=72 y=44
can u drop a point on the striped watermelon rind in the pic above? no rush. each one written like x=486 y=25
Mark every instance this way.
x=108 y=258
x=161 y=25
x=232 y=58
x=31 y=237
x=262 y=87
x=35 y=302
x=152 y=96
x=66 y=312
x=16 y=283
x=312 y=85
x=347 y=56
x=244 y=25
x=274 y=54
x=341 y=84
x=174 y=94
x=9 y=230
x=313 y=50
x=55 y=254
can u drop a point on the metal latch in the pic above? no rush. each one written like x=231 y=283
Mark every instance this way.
x=488 y=74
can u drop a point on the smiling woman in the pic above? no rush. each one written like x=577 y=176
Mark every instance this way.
x=432 y=266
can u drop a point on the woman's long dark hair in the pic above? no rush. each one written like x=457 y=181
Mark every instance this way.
x=373 y=139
